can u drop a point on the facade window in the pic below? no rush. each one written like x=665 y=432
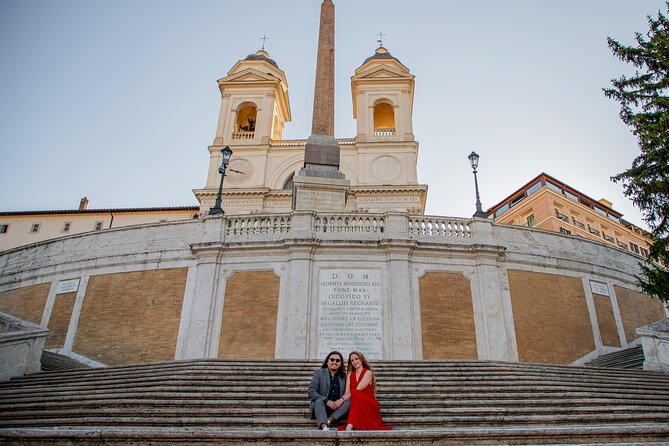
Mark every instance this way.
x=502 y=210
x=554 y=187
x=34 y=227
x=570 y=195
x=4 y=229
x=561 y=216
x=66 y=226
x=564 y=231
x=634 y=247
x=530 y=221
x=517 y=200
x=533 y=188
x=644 y=252
x=98 y=226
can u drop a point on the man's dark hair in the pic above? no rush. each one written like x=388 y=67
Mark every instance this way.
x=342 y=370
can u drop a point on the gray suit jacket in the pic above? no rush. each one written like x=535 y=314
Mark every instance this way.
x=319 y=387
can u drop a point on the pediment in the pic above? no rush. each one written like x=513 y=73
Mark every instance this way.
x=249 y=75
x=386 y=70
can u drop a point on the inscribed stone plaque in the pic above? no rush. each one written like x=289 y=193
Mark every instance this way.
x=68 y=286
x=349 y=314
x=599 y=288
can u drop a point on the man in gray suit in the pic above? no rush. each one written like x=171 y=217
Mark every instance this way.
x=326 y=389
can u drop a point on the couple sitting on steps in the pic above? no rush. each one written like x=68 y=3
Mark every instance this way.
x=334 y=393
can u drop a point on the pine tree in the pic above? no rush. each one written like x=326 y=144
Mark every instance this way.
x=644 y=107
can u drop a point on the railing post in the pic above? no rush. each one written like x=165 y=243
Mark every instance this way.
x=302 y=225
x=397 y=226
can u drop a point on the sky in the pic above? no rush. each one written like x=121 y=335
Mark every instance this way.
x=118 y=100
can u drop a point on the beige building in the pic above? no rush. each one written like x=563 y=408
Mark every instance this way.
x=20 y=228
x=548 y=203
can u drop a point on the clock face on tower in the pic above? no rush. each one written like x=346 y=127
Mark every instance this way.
x=385 y=168
x=239 y=172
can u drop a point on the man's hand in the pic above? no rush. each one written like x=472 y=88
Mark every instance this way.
x=332 y=405
x=337 y=404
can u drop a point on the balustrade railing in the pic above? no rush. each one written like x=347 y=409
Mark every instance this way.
x=257 y=225
x=561 y=216
x=439 y=227
x=243 y=134
x=302 y=142
x=384 y=132
x=337 y=224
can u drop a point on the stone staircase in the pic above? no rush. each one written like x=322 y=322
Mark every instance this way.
x=264 y=402
x=629 y=358
x=54 y=362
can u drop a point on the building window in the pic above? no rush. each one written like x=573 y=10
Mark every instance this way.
x=634 y=247
x=4 y=229
x=561 y=216
x=502 y=210
x=565 y=231
x=530 y=221
x=34 y=227
x=66 y=226
x=98 y=226
x=644 y=252
x=535 y=187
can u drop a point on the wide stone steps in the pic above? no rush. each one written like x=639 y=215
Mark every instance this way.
x=233 y=401
x=630 y=358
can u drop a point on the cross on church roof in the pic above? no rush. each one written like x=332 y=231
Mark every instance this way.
x=380 y=38
x=264 y=38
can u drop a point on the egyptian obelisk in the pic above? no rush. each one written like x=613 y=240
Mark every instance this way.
x=320 y=185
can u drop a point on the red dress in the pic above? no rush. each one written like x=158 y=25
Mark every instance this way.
x=364 y=411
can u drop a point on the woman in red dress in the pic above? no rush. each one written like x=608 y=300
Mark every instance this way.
x=360 y=389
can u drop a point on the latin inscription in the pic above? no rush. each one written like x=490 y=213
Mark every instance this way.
x=349 y=316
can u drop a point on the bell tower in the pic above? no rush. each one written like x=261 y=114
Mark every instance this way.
x=383 y=91
x=254 y=110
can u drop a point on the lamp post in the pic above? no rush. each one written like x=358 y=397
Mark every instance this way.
x=474 y=160
x=226 y=153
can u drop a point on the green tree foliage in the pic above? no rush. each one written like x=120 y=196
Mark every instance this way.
x=644 y=107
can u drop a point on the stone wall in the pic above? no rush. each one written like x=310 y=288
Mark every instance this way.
x=447 y=316
x=26 y=302
x=551 y=317
x=249 y=315
x=252 y=286
x=131 y=317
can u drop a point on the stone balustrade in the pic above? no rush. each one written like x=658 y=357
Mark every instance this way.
x=384 y=132
x=439 y=227
x=257 y=224
x=349 y=223
x=243 y=134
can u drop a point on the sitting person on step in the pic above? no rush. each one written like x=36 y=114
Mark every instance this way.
x=326 y=389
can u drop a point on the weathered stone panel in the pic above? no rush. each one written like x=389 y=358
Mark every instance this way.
x=551 y=317
x=606 y=320
x=248 y=328
x=59 y=321
x=447 y=316
x=26 y=303
x=637 y=310
x=131 y=317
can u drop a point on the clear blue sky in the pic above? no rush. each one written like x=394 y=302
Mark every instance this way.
x=117 y=100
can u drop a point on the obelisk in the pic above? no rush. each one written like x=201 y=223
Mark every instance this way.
x=320 y=185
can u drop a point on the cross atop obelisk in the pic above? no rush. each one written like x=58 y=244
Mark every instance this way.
x=320 y=186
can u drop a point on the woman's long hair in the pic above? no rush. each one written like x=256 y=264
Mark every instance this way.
x=342 y=371
x=365 y=365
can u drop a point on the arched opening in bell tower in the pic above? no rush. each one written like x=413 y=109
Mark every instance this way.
x=384 y=118
x=245 y=126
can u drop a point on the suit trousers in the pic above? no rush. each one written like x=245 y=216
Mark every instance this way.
x=322 y=411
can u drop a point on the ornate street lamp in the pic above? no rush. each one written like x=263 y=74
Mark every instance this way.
x=226 y=153
x=474 y=160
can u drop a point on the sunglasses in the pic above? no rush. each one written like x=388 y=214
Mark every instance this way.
x=335 y=360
